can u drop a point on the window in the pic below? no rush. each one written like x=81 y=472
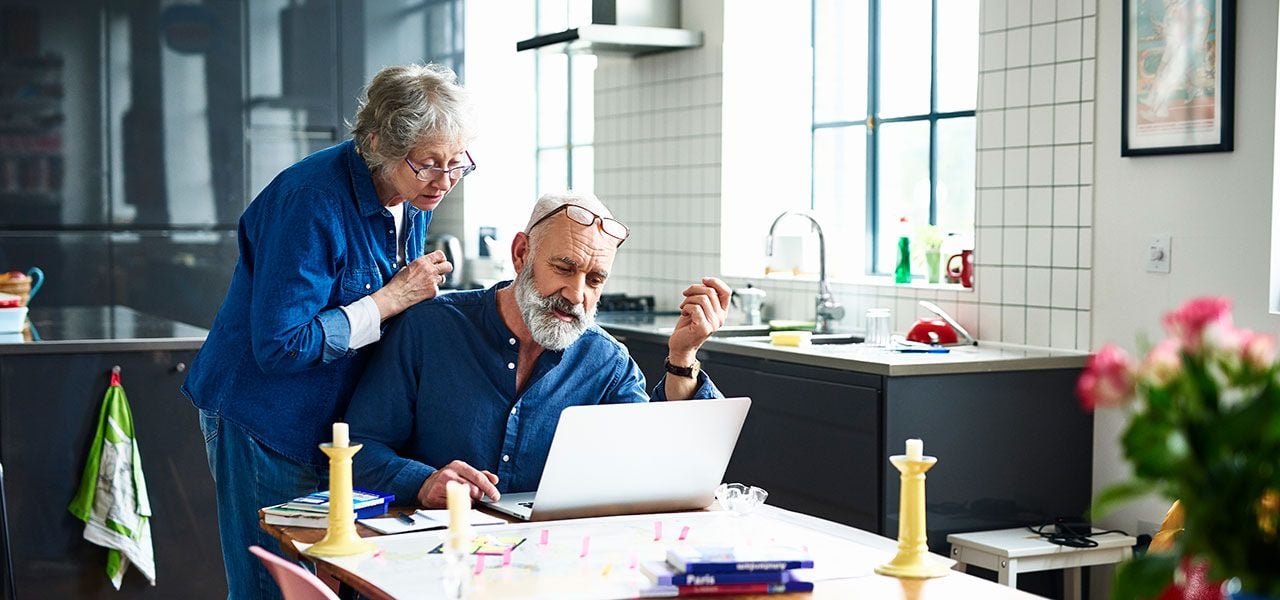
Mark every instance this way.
x=565 y=103
x=894 y=93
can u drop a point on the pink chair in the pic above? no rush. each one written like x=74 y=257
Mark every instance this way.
x=296 y=583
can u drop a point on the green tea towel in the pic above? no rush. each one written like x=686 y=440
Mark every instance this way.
x=112 y=500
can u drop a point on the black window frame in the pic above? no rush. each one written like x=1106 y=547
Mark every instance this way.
x=873 y=122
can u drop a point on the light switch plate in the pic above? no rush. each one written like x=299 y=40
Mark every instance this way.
x=1159 y=254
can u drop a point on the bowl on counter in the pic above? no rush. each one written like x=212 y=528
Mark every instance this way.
x=13 y=319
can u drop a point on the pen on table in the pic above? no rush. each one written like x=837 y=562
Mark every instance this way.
x=407 y=519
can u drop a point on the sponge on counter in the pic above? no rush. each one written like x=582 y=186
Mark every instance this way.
x=790 y=338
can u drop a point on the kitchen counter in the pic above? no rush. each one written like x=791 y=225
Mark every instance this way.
x=99 y=328
x=985 y=357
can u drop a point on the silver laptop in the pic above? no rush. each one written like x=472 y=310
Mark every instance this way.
x=617 y=459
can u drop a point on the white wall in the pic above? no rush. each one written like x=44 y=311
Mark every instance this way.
x=1216 y=207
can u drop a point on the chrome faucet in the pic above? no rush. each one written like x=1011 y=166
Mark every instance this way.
x=828 y=311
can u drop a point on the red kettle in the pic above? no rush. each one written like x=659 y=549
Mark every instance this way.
x=932 y=330
x=938 y=328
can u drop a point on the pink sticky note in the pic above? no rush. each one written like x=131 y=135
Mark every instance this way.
x=684 y=532
x=506 y=558
x=545 y=535
x=479 y=564
x=657 y=531
x=586 y=546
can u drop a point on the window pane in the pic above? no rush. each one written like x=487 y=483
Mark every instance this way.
x=957 y=55
x=839 y=195
x=584 y=94
x=956 y=166
x=553 y=170
x=553 y=16
x=904 y=186
x=905 y=57
x=583 y=169
x=553 y=99
x=840 y=56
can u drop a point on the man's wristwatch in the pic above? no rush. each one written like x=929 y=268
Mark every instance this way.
x=690 y=371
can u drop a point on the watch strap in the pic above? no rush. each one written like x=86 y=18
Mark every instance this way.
x=690 y=371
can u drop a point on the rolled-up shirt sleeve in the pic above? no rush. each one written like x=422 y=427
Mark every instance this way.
x=365 y=321
x=629 y=386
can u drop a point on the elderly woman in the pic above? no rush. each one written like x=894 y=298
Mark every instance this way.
x=328 y=251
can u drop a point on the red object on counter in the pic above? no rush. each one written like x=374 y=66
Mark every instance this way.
x=921 y=330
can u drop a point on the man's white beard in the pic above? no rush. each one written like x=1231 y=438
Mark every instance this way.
x=539 y=316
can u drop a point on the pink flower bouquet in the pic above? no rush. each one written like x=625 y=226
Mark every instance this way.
x=1204 y=428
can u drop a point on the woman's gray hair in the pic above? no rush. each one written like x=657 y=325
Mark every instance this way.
x=406 y=106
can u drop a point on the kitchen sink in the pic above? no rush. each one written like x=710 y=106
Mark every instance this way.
x=835 y=338
x=731 y=331
x=818 y=339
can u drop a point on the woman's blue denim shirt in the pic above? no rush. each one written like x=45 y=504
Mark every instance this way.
x=276 y=361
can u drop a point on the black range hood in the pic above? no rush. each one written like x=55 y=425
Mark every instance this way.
x=630 y=27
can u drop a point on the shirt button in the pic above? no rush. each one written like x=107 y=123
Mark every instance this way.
x=513 y=410
x=506 y=458
x=512 y=341
x=511 y=365
x=368 y=285
x=391 y=231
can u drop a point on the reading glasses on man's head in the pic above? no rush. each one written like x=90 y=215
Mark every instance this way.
x=583 y=216
x=429 y=173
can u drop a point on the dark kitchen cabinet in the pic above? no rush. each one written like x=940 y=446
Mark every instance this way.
x=49 y=405
x=1013 y=446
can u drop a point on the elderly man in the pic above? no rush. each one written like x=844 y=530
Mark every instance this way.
x=469 y=387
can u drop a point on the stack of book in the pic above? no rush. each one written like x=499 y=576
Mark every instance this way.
x=312 y=510
x=701 y=571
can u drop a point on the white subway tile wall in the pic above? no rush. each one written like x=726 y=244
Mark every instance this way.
x=657 y=152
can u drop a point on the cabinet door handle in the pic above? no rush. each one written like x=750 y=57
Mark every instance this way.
x=180 y=367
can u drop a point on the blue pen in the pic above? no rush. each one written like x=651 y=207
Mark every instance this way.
x=924 y=350
x=406 y=519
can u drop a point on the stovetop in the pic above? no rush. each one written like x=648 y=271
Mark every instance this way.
x=625 y=303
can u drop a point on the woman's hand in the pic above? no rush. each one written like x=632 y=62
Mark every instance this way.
x=417 y=281
x=432 y=493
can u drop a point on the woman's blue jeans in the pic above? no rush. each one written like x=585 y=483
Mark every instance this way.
x=249 y=476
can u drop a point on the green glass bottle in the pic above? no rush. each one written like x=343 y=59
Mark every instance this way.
x=902 y=274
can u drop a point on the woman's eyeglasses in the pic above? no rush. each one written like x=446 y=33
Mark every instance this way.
x=582 y=216
x=429 y=173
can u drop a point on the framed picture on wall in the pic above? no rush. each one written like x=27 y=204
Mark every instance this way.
x=1179 y=76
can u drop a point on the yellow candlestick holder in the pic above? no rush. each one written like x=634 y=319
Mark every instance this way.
x=341 y=538
x=913 y=560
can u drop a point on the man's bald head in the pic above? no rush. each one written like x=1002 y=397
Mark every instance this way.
x=550 y=203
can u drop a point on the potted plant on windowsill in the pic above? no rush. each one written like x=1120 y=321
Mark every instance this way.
x=1204 y=429
x=929 y=241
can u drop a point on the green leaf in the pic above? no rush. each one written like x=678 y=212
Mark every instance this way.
x=1117 y=494
x=1144 y=576
x=1155 y=448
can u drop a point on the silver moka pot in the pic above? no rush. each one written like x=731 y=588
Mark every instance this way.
x=452 y=248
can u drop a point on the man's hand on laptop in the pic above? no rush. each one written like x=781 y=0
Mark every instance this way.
x=432 y=493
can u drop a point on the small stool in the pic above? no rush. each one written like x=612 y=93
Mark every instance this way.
x=1009 y=552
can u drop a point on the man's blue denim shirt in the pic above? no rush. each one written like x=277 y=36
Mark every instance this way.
x=276 y=360
x=441 y=386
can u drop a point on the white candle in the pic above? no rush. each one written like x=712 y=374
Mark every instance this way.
x=340 y=437
x=915 y=449
x=458 y=500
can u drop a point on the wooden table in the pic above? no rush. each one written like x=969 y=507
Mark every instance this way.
x=955 y=585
